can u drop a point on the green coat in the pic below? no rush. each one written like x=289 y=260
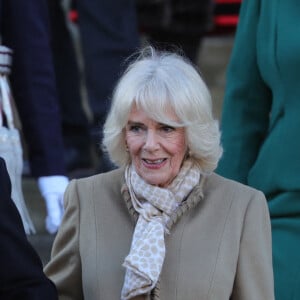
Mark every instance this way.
x=261 y=124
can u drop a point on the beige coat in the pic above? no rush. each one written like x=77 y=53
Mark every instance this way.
x=218 y=250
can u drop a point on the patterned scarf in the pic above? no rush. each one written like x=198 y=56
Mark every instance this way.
x=155 y=206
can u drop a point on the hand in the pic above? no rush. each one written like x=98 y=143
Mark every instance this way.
x=52 y=189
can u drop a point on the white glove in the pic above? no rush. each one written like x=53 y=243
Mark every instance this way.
x=52 y=189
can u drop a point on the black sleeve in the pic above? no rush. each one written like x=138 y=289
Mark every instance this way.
x=21 y=271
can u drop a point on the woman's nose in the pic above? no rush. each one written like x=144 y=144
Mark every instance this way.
x=151 y=141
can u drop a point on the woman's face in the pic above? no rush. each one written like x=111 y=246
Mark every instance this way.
x=157 y=150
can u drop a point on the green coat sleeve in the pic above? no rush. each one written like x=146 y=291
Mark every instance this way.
x=247 y=101
x=64 y=267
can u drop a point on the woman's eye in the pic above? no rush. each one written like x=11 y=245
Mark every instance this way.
x=167 y=128
x=135 y=128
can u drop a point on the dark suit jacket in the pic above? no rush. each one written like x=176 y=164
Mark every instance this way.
x=21 y=270
x=24 y=29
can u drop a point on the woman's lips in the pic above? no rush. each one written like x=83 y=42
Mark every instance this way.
x=154 y=163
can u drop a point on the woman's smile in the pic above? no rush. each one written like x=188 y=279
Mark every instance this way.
x=154 y=163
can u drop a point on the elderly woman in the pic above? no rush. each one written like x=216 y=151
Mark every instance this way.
x=163 y=225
